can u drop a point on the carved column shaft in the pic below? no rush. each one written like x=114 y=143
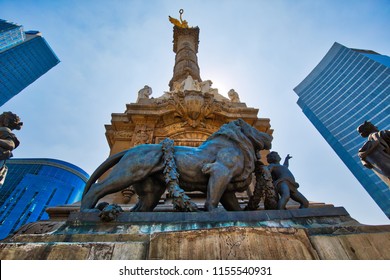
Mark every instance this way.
x=185 y=46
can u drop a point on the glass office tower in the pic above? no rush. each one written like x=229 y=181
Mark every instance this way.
x=32 y=185
x=346 y=88
x=10 y=34
x=24 y=57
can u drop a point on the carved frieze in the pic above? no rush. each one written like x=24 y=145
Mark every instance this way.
x=142 y=135
x=194 y=107
x=123 y=134
x=39 y=227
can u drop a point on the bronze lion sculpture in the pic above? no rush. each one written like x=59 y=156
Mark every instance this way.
x=219 y=167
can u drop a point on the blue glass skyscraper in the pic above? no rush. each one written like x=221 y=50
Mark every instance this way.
x=24 y=57
x=346 y=88
x=32 y=185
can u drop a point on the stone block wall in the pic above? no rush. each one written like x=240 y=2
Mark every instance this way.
x=229 y=243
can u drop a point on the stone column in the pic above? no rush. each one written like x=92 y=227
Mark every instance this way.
x=185 y=46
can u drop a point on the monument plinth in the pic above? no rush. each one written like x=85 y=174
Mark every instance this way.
x=322 y=232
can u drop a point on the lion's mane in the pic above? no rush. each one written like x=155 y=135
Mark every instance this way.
x=233 y=132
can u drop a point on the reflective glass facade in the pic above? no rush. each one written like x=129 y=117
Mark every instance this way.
x=346 y=88
x=32 y=185
x=10 y=34
x=23 y=59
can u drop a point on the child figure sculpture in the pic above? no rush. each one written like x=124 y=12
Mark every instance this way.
x=284 y=181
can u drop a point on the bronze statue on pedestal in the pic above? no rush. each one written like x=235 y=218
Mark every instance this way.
x=375 y=152
x=8 y=141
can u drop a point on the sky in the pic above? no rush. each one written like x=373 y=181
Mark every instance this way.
x=263 y=49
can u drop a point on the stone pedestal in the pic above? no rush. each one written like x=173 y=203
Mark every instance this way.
x=297 y=234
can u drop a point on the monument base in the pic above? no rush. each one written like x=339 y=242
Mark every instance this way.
x=298 y=234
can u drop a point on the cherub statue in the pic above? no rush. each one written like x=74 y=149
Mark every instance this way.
x=179 y=23
x=145 y=92
x=375 y=152
x=233 y=95
x=284 y=181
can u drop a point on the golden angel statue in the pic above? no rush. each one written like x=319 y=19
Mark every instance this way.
x=180 y=23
